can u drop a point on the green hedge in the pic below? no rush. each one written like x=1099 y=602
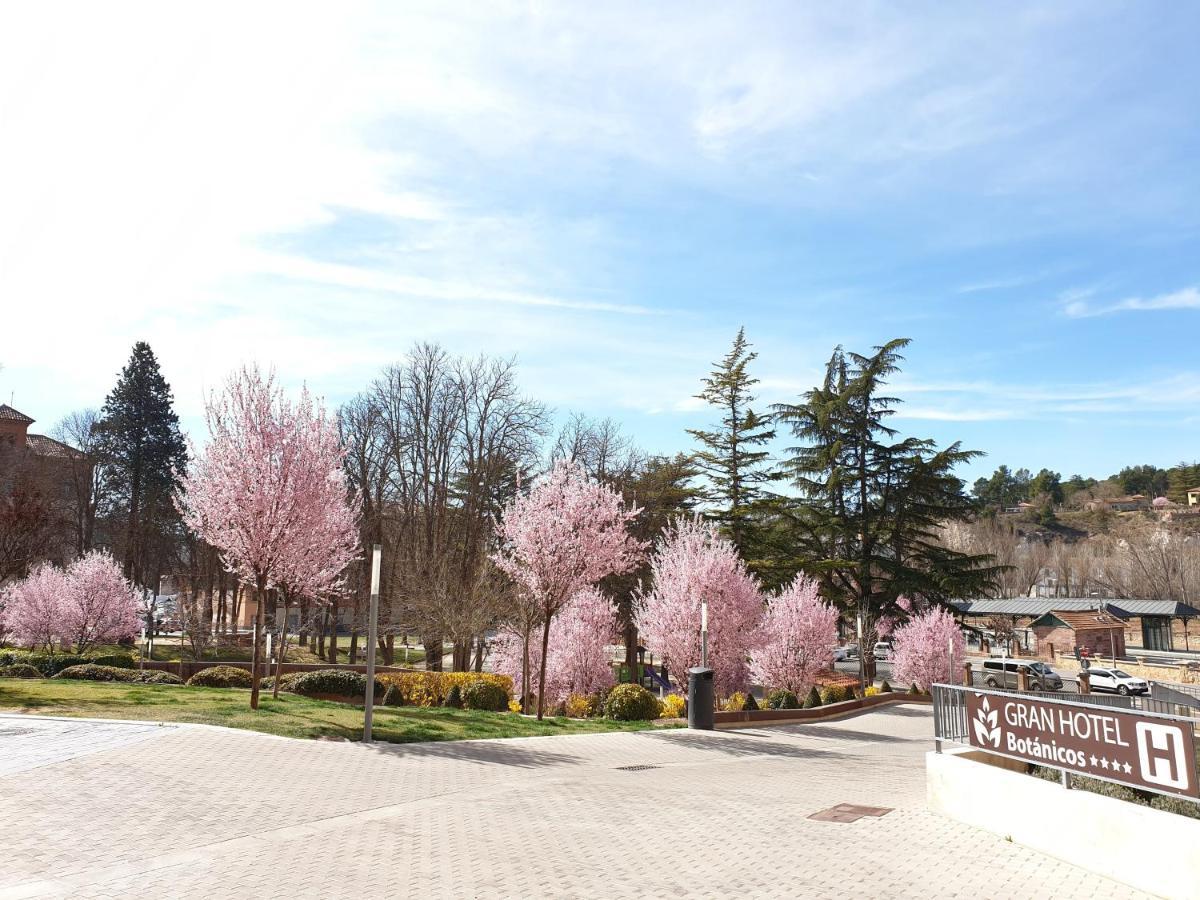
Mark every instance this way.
x=336 y=682
x=486 y=695
x=221 y=677
x=50 y=664
x=93 y=672
x=630 y=703
x=19 y=670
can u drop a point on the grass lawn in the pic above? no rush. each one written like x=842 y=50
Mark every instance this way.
x=290 y=715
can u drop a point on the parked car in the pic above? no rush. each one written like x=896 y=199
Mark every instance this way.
x=841 y=654
x=1117 y=681
x=883 y=650
x=1002 y=673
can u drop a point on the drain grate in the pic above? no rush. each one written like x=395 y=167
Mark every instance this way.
x=634 y=768
x=849 y=812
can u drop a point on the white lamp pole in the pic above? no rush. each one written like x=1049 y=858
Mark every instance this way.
x=704 y=633
x=372 y=629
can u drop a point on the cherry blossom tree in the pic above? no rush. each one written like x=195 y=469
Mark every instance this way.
x=578 y=662
x=929 y=649
x=261 y=491
x=32 y=608
x=99 y=605
x=563 y=536
x=692 y=562
x=798 y=637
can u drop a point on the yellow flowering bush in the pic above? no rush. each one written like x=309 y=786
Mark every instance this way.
x=581 y=706
x=673 y=706
x=872 y=691
x=431 y=688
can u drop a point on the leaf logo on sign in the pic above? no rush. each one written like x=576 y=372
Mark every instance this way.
x=987 y=727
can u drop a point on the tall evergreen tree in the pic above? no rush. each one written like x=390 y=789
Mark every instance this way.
x=732 y=458
x=142 y=448
x=870 y=502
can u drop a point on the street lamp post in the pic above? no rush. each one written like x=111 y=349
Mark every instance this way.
x=372 y=634
x=704 y=633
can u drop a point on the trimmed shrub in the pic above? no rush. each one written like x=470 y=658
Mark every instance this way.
x=431 y=688
x=1176 y=805
x=915 y=691
x=50 y=664
x=93 y=672
x=630 y=703
x=221 y=677
x=836 y=693
x=19 y=670
x=116 y=660
x=885 y=688
x=285 y=681
x=454 y=697
x=813 y=700
x=486 y=695
x=392 y=696
x=750 y=704
x=674 y=706
x=581 y=706
x=782 y=698
x=335 y=682
x=153 y=676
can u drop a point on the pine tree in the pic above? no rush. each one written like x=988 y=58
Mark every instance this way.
x=871 y=503
x=732 y=458
x=142 y=448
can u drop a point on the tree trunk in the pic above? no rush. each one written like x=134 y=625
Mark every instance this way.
x=389 y=650
x=433 y=653
x=260 y=621
x=479 y=646
x=333 y=634
x=542 y=668
x=631 y=645
x=353 y=645
x=280 y=650
x=525 y=673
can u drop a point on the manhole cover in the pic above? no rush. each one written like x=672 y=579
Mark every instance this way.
x=634 y=768
x=849 y=812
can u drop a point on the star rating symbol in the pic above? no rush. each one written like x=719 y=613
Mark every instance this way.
x=1104 y=763
x=1095 y=762
x=1128 y=768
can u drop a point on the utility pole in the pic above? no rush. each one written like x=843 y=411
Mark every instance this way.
x=372 y=637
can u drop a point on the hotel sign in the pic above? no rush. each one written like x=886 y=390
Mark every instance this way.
x=1132 y=748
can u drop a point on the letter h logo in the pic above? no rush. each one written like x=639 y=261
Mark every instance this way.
x=1162 y=755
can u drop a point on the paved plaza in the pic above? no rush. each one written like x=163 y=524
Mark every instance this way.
x=108 y=810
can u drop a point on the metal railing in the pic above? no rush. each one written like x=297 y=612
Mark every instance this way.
x=1163 y=699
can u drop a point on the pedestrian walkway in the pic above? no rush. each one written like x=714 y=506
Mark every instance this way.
x=189 y=811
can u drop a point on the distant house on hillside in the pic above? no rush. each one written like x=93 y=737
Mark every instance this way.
x=1132 y=503
x=1193 y=496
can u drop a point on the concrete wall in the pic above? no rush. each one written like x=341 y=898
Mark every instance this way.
x=1145 y=848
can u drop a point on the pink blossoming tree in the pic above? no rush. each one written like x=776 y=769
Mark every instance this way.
x=99 y=605
x=578 y=662
x=563 y=536
x=692 y=562
x=32 y=608
x=90 y=603
x=262 y=491
x=929 y=649
x=798 y=637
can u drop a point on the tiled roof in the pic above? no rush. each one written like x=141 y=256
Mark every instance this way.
x=1082 y=621
x=1039 y=606
x=45 y=446
x=8 y=414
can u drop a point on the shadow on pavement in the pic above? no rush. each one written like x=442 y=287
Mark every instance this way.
x=737 y=744
x=486 y=752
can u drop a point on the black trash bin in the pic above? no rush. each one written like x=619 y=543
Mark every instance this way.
x=700 y=698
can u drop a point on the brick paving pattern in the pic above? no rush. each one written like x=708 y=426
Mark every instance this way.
x=187 y=811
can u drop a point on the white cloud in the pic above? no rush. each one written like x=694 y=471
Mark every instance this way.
x=1081 y=307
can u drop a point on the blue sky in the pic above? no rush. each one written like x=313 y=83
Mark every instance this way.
x=609 y=193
